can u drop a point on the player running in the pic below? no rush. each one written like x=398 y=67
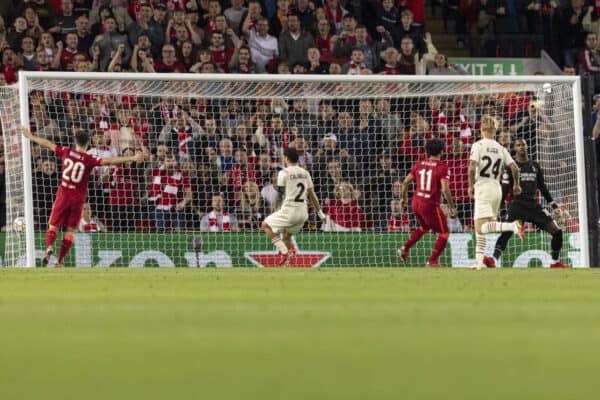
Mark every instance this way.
x=432 y=177
x=525 y=207
x=72 y=190
x=487 y=161
x=294 y=186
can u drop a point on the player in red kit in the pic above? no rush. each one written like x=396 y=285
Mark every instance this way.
x=432 y=178
x=72 y=190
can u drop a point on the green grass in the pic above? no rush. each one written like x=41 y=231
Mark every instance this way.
x=299 y=334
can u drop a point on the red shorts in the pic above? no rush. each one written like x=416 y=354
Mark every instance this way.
x=430 y=217
x=66 y=212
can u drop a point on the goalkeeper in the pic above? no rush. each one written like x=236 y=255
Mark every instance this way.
x=525 y=206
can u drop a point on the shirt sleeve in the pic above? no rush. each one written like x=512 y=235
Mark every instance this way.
x=475 y=152
x=281 y=178
x=59 y=151
x=507 y=158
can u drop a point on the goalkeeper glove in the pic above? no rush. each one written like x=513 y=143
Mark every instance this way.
x=321 y=215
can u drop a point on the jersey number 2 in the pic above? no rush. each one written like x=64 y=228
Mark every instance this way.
x=299 y=198
x=495 y=169
x=73 y=171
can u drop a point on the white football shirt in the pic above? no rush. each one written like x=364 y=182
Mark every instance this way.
x=296 y=181
x=491 y=158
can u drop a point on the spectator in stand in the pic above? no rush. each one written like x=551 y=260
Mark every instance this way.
x=335 y=13
x=252 y=210
x=170 y=194
x=408 y=58
x=526 y=123
x=250 y=21
x=458 y=165
x=413 y=147
x=344 y=214
x=9 y=65
x=88 y=222
x=241 y=61
x=234 y=14
x=207 y=21
x=279 y=19
x=305 y=159
x=16 y=33
x=269 y=193
x=169 y=61
x=231 y=38
x=68 y=53
x=99 y=188
x=181 y=133
x=218 y=220
x=49 y=46
x=28 y=56
x=85 y=39
x=329 y=177
x=371 y=50
x=141 y=57
x=144 y=24
x=125 y=182
x=45 y=13
x=589 y=59
x=240 y=172
x=315 y=65
x=391 y=66
x=221 y=55
x=33 y=22
x=408 y=27
x=66 y=20
x=305 y=12
x=440 y=66
x=453 y=123
x=295 y=42
x=187 y=54
x=119 y=12
x=380 y=182
x=570 y=32
x=264 y=169
x=123 y=134
x=356 y=65
x=373 y=136
x=323 y=41
x=506 y=24
x=109 y=41
x=398 y=220
x=263 y=47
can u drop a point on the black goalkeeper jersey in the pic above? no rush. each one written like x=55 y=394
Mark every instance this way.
x=532 y=180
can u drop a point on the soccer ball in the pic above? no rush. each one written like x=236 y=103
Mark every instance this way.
x=19 y=224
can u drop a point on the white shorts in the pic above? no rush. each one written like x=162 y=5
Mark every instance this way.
x=487 y=200
x=286 y=220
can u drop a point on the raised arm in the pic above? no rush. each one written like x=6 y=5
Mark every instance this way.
x=314 y=202
x=122 y=160
x=36 y=139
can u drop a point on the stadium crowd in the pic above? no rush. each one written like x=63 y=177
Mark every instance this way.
x=211 y=164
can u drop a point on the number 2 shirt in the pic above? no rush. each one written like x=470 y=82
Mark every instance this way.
x=491 y=158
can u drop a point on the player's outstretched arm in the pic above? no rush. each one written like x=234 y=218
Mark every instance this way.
x=314 y=202
x=36 y=139
x=516 y=174
x=404 y=193
x=448 y=197
x=122 y=160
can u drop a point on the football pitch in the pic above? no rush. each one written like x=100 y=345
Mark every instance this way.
x=299 y=334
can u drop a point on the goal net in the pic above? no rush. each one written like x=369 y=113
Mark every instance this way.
x=214 y=143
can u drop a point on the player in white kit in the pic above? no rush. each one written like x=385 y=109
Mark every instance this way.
x=486 y=164
x=295 y=187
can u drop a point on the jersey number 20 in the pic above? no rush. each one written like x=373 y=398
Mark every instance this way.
x=73 y=171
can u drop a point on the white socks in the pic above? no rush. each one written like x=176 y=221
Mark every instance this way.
x=279 y=245
x=480 y=241
x=490 y=227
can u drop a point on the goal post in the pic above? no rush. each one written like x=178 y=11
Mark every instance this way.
x=359 y=136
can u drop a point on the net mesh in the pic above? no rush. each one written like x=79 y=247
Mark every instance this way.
x=204 y=206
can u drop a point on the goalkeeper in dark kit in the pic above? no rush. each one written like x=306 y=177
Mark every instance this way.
x=525 y=206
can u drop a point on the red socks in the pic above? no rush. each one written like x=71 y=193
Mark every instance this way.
x=50 y=237
x=438 y=247
x=65 y=246
x=414 y=238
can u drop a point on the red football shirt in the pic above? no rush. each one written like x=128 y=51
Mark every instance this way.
x=428 y=175
x=76 y=169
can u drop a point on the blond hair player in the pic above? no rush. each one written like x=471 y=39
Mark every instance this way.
x=487 y=161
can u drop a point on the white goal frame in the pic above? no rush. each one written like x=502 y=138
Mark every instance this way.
x=573 y=81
